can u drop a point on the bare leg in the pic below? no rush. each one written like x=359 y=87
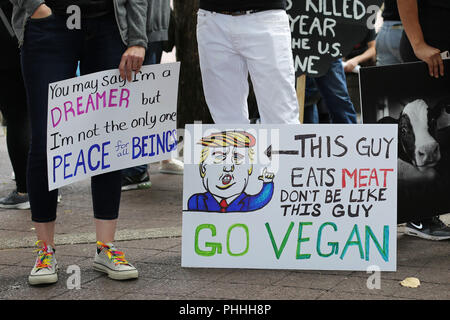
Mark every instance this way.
x=46 y=232
x=105 y=230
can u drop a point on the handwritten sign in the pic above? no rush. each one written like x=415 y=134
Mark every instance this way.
x=326 y=30
x=290 y=197
x=100 y=122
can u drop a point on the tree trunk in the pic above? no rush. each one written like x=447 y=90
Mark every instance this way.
x=191 y=100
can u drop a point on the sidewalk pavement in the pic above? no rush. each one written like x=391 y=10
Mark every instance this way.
x=149 y=231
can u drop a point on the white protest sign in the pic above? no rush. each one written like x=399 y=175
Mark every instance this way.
x=100 y=122
x=290 y=197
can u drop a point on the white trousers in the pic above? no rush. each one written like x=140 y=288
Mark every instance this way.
x=231 y=47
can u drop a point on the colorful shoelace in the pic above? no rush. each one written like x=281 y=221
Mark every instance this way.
x=118 y=257
x=45 y=257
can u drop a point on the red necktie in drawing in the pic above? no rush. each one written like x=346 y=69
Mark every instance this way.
x=223 y=206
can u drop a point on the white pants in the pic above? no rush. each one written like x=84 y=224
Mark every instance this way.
x=231 y=47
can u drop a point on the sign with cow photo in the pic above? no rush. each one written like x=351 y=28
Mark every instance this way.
x=406 y=95
x=290 y=197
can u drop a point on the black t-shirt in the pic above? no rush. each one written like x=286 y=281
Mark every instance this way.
x=390 y=12
x=434 y=16
x=361 y=47
x=240 y=5
x=89 y=8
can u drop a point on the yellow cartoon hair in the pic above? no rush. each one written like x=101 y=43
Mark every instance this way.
x=240 y=139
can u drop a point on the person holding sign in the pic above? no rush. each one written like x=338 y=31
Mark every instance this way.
x=426 y=33
x=426 y=36
x=236 y=38
x=362 y=55
x=157 y=24
x=109 y=35
x=158 y=18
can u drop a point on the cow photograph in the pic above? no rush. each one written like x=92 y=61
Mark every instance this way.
x=406 y=95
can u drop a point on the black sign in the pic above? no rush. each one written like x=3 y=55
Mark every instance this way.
x=326 y=30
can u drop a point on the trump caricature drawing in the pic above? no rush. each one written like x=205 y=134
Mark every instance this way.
x=225 y=167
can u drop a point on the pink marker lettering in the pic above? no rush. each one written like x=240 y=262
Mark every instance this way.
x=53 y=116
x=79 y=105
x=70 y=109
x=90 y=102
x=102 y=97
x=124 y=96
x=111 y=97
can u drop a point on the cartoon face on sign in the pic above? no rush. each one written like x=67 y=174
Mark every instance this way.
x=225 y=168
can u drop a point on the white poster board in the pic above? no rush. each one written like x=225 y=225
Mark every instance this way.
x=99 y=122
x=296 y=197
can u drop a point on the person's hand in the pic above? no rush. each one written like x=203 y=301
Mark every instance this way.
x=350 y=65
x=131 y=61
x=432 y=57
x=266 y=176
x=43 y=11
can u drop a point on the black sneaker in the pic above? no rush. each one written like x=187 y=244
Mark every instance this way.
x=140 y=181
x=15 y=201
x=430 y=229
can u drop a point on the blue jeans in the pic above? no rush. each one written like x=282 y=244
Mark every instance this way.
x=51 y=53
x=388 y=43
x=152 y=56
x=333 y=89
x=311 y=112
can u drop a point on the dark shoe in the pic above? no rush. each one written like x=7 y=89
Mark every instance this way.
x=140 y=181
x=430 y=229
x=15 y=201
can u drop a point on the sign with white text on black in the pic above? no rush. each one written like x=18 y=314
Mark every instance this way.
x=290 y=197
x=326 y=30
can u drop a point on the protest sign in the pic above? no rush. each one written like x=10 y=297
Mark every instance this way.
x=100 y=122
x=406 y=95
x=290 y=197
x=326 y=30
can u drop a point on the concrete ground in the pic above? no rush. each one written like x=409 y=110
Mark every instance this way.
x=149 y=231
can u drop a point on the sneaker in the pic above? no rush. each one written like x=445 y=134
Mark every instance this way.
x=173 y=166
x=15 y=201
x=141 y=181
x=45 y=268
x=112 y=262
x=430 y=229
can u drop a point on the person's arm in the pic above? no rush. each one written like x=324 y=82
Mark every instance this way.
x=409 y=14
x=133 y=57
x=367 y=55
x=36 y=9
